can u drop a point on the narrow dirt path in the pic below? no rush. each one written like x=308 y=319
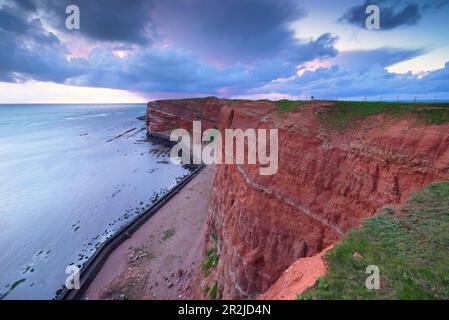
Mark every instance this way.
x=159 y=260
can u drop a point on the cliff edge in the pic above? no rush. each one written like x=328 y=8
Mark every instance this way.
x=339 y=163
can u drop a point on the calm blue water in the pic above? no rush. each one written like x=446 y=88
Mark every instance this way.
x=70 y=176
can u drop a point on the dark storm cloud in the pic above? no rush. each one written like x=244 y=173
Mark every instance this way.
x=20 y=63
x=104 y=20
x=322 y=47
x=15 y=24
x=26 y=4
x=12 y=21
x=363 y=73
x=171 y=70
x=28 y=51
x=229 y=30
x=114 y=20
x=391 y=16
x=226 y=30
x=249 y=31
x=435 y=4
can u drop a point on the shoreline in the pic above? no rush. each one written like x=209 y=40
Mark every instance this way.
x=92 y=267
x=159 y=260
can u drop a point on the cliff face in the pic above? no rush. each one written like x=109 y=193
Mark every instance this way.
x=166 y=115
x=328 y=182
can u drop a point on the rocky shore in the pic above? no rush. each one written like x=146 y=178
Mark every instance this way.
x=160 y=259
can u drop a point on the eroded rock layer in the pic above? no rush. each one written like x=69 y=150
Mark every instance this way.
x=166 y=115
x=328 y=181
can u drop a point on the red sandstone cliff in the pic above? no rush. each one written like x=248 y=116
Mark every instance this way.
x=327 y=183
x=166 y=115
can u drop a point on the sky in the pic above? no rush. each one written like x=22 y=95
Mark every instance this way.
x=140 y=50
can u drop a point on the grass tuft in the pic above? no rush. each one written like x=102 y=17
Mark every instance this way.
x=168 y=234
x=211 y=259
x=213 y=292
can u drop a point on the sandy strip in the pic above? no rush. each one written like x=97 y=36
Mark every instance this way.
x=159 y=260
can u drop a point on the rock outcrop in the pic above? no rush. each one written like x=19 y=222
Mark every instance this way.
x=166 y=115
x=328 y=182
x=301 y=275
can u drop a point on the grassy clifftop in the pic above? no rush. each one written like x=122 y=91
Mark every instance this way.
x=345 y=113
x=409 y=245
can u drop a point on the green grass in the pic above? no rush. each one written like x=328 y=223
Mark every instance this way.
x=410 y=247
x=213 y=292
x=168 y=234
x=346 y=113
x=288 y=105
x=211 y=258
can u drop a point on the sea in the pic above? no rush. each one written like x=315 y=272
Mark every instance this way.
x=71 y=176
